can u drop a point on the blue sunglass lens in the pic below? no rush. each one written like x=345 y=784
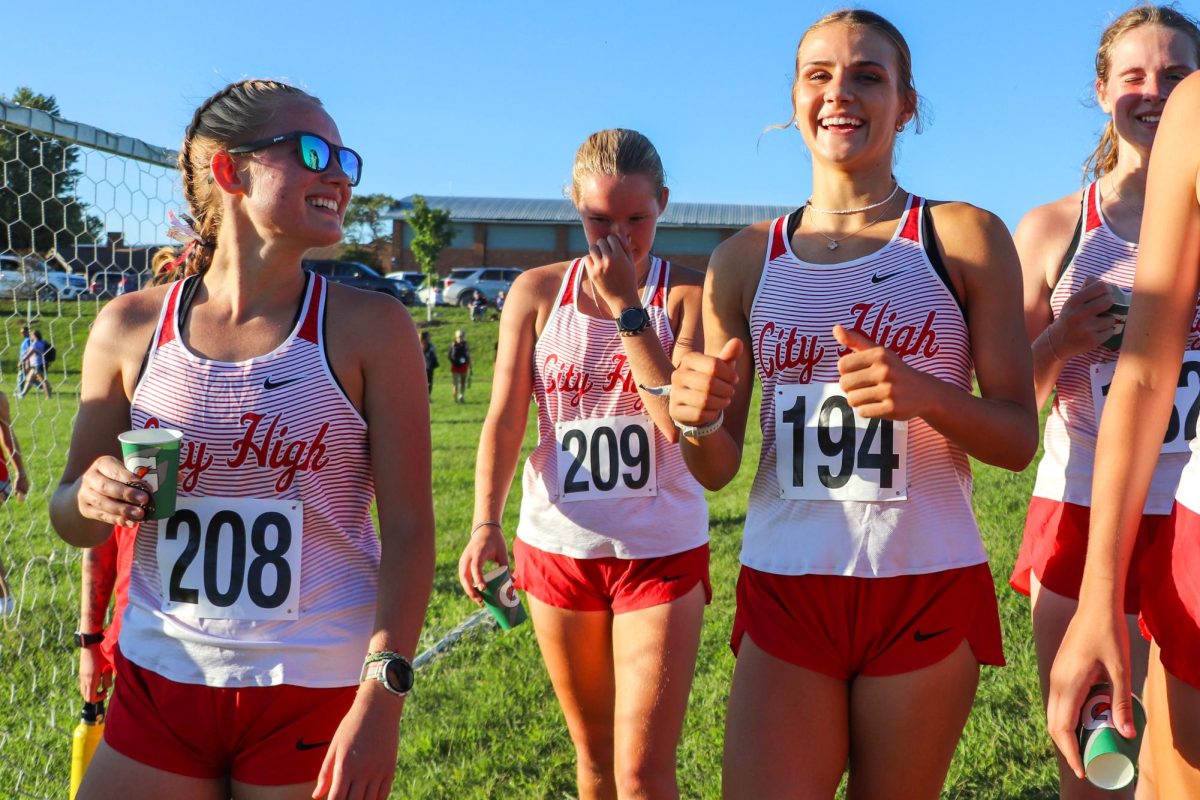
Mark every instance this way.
x=351 y=165
x=314 y=152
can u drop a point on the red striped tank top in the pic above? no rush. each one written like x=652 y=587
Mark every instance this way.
x=1065 y=471
x=266 y=573
x=835 y=494
x=602 y=480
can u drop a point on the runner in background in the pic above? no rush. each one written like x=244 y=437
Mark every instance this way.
x=271 y=374
x=865 y=602
x=14 y=484
x=1140 y=407
x=1072 y=252
x=612 y=546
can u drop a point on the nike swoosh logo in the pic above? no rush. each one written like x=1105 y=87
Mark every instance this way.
x=268 y=384
x=303 y=745
x=921 y=637
x=877 y=278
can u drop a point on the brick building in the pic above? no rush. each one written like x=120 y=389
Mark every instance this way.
x=511 y=232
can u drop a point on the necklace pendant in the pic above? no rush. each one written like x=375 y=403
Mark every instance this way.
x=832 y=246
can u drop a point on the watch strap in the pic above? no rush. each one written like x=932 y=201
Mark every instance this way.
x=88 y=639
x=696 y=431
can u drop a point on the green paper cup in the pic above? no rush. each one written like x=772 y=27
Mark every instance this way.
x=152 y=454
x=500 y=597
x=1119 y=311
x=1109 y=759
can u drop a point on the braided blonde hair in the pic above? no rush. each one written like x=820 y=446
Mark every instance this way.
x=232 y=116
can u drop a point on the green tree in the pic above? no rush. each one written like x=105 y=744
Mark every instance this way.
x=38 y=207
x=364 y=218
x=431 y=233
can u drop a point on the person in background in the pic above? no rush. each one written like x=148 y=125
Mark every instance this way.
x=431 y=359
x=460 y=365
x=478 y=306
x=1072 y=252
x=105 y=578
x=33 y=362
x=14 y=483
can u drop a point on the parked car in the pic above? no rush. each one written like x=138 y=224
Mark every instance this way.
x=11 y=276
x=436 y=290
x=31 y=278
x=461 y=284
x=114 y=283
x=414 y=278
x=62 y=285
x=361 y=276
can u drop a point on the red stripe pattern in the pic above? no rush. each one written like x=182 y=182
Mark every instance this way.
x=581 y=372
x=895 y=297
x=1065 y=471
x=275 y=427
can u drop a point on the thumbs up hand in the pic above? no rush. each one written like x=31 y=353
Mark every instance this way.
x=876 y=381
x=702 y=386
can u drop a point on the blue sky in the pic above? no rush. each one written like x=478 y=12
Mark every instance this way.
x=473 y=98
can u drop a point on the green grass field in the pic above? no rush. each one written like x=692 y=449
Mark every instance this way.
x=482 y=722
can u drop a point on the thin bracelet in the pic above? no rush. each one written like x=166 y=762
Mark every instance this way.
x=484 y=525
x=1050 y=344
x=656 y=391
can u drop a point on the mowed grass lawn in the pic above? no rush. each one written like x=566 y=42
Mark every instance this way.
x=482 y=722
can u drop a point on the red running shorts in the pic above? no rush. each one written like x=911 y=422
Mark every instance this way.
x=1055 y=545
x=261 y=735
x=609 y=584
x=846 y=626
x=1171 y=601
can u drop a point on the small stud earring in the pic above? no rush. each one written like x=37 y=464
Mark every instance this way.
x=899 y=127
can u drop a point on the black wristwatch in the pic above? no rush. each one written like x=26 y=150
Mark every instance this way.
x=88 y=639
x=633 y=321
x=390 y=669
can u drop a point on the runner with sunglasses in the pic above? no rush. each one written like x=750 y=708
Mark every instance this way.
x=612 y=545
x=1073 y=251
x=865 y=605
x=264 y=650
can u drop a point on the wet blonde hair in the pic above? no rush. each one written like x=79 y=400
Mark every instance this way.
x=867 y=19
x=235 y=115
x=1103 y=159
x=617 y=151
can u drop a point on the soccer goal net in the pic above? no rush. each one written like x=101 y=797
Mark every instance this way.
x=81 y=213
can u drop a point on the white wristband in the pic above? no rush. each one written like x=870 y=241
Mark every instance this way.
x=696 y=431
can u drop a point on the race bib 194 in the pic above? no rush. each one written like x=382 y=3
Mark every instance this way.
x=231 y=558
x=1185 y=412
x=825 y=451
x=603 y=459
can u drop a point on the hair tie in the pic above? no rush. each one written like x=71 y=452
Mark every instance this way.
x=181 y=230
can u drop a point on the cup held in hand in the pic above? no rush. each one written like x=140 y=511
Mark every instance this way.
x=152 y=454
x=500 y=597
x=1109 y=759
x=1119 y=311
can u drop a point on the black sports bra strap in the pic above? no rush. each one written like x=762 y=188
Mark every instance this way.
x=929 y=243
x=1073 y=247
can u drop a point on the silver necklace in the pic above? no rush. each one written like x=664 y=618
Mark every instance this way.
x=834 y=242
x=884 y=201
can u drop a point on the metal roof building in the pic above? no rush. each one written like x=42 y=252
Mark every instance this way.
x=529 y=211
x=509 y=231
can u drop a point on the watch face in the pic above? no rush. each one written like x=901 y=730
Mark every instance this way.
x=399 y=675
x=633 y=319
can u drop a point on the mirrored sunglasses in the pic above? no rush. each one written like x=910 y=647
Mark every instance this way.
x=314 y=151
